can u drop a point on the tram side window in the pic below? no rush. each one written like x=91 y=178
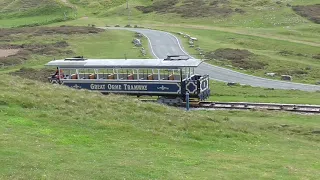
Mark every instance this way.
x=168 y=74
x=172 y=74
x=147 y=74
x=125 y=74
x=184 y=73
x=72 y=73
x=163 y=74
x=103 y=73
x=87 y=74
x=82 y=73
x=106 y=74
x=121 y=74
x=92 y=74
x=131 y=75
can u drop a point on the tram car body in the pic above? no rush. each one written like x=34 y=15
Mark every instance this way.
x=170 y=79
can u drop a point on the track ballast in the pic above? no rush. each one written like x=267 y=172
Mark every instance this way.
x=300 y=108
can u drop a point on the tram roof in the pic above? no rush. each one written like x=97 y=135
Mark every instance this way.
x=124 y=63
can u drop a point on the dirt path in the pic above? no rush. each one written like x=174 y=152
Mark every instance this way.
x=8 y=52
x=242 y=33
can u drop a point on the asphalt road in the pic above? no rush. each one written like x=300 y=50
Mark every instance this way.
x=162 y=44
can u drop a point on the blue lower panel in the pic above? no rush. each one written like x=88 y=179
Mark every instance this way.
x=204 y=95
x=129 y=87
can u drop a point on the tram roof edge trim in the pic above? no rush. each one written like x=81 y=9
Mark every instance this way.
x=125 y=63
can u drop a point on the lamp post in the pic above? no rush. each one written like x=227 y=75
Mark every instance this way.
x=187 y=101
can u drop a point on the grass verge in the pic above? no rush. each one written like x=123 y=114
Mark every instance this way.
x=223 y=93
x=57 y=132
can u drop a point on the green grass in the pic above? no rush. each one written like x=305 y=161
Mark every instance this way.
x=223 y=93
x=114 y=44
x=266 y=29
x=33 y=13
x=70 y=134
x=56 y=132
x=266 y=50
x=30 y=21
x=109 y=44
x=98 y=5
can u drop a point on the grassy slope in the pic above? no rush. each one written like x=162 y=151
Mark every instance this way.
x=109 y=44
x=265 y=29
x=112 y=44
x=67 y=134
x=96 y=47
x=299 y=58
x=64 y=133
x=30 y=12
x=221 y=92
x=98 y=5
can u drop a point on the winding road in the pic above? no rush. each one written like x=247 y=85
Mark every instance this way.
x=162 y=44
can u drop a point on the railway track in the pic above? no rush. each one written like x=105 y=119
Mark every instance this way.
x=299 y=108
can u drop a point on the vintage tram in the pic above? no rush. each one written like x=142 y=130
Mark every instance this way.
x=169 y=79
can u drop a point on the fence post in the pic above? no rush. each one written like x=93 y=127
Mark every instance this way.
x=187 y=101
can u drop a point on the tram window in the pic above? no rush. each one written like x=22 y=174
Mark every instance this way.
x=187 y=72
x=86 y=74
x=162 y=74
x=137 y=74
x=131 y=74
x=174 y=75
x=110 y=74
x=92 y=73
x=121 y=74
x=184 y=73
x=142 y=74
x=101 y=73
x=82 y=73
x=69 y=73
x=168 y=74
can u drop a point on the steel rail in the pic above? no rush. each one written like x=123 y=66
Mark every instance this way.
x=303 y=108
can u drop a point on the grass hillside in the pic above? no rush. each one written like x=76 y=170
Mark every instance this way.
x=97 y=5
x=48 y=43
x=256 y=13
x=255 y=54
x=36 y=46
x=57 y=132
x=280 y=37
x=33 y=12
x=27 y=6
x=54 y=132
